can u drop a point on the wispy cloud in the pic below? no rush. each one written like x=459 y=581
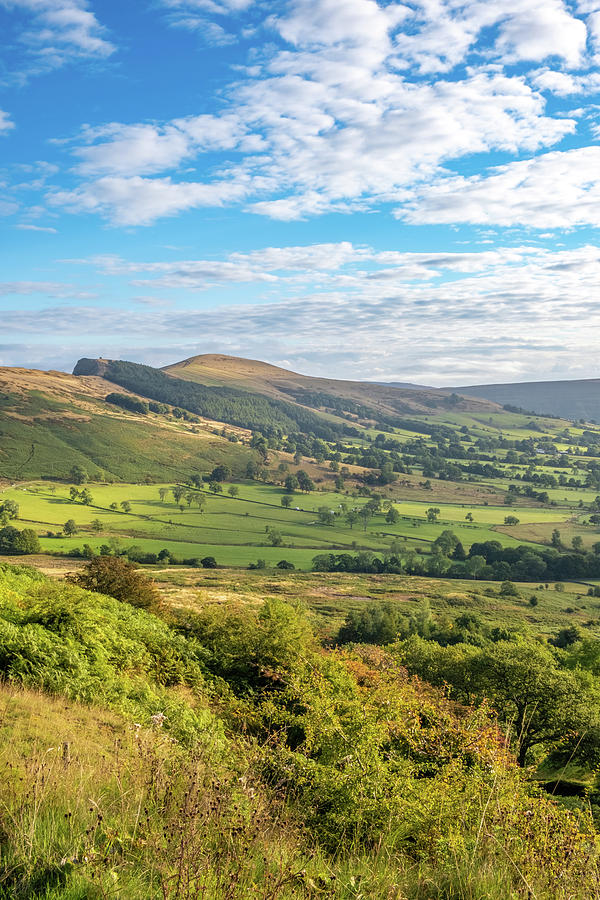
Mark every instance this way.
x=22 y=226
x=519 y=312
x=55 y=32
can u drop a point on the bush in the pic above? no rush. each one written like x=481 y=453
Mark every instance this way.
x=120 y=579
x=209 y=562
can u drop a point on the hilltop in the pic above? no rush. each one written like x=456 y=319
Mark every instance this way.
x=263 y=378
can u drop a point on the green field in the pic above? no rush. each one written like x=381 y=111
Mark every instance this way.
x=234 y=529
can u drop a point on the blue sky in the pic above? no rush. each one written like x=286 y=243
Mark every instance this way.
x=389 y=191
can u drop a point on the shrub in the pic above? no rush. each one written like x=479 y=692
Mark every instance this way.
x=120 y=579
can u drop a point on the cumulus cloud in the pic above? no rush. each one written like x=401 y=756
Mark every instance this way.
x=560 y=189
x=356 y=104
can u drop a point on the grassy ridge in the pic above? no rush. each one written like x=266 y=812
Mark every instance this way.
x=42 y=436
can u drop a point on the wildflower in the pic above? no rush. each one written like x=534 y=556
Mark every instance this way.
x=158 y=719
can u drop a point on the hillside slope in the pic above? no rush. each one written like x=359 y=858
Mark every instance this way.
x=51 y=421
x=259 y=377
x=568 y=399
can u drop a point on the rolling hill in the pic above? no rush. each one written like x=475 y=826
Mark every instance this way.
x=259 y=377
x=51 y=421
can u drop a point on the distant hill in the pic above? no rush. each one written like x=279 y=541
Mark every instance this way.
x=324 y=393
x=567 y=399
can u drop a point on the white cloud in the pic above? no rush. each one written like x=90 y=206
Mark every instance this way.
x=6 y=123
x=554 y=190
x=45 y=288
x=58 y=31
x=337 y=120
x=25 y=227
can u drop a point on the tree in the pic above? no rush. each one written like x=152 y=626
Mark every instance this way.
x=469 y=517
x=70 y=527
x=365 y=514
x=511 y=520
x=286 y=501
x=446 y=543
x=78 y=475
x=73 y=494
x=209 y=562
x=86 y=497
x=432 y=514
x=216 y=487
x=285 y=564
x=178 y=492
x=474 y=565
x=220 y=473
x=189 y=498
x=392 y=516
x=233 y=490
x=291 y=483
x=120 y=579
x=305 y=483
x=352 y=517
x=275 y=537
x=126 y=506
x=162 y=493
x=577 y=543
x=8 y=510
x=97 y=525
x=524 y=683
x=508 y=589
x=200 y=501
x=326 y=515
x=18 y=542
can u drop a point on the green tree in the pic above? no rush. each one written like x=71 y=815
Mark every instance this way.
x=233 y=490
x=432 y=514
x=305 y=483
x=70 y=527
x=8 y=510
x=352 y=517
x=326 y=515
x=511 y=520
x=86 y=497
x=365 y=514
x=291 y=483
x=126 y=506
x=286 y=501
x=97 y=525
x=542 y=702
x=274 y=536
x=78 y=475
x=392 y=516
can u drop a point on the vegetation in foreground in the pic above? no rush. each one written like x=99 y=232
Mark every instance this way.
x=230 y=756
